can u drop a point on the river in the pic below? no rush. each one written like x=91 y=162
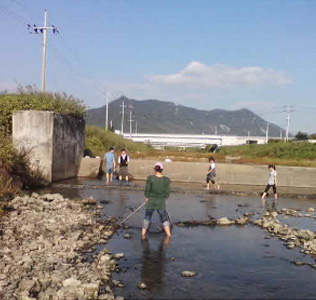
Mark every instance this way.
x=230 y=262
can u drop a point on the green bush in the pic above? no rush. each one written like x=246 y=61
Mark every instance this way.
x=99 y=141
x=29 y=98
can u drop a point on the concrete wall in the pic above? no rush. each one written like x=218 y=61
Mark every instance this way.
x=68 y=146
x=56 y=142
x=227 y=173
x=90 y=167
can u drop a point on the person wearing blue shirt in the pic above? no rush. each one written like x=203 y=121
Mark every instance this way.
x=109 y=157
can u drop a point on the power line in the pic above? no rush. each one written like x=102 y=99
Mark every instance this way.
x=13 y=14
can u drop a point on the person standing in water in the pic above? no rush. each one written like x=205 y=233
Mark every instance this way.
x=109 y=158
x=272 y=182
x=123 y=161
x=211 y=173
x=157 y=189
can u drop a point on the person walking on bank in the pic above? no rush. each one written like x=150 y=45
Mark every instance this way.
x=272 y=182
x=109 y=158
x=157 y=189
x=123 y=161
x=211 y=173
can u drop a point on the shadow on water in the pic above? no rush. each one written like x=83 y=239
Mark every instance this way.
x=230 y=262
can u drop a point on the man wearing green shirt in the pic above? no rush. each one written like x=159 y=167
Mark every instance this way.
x=157 y=189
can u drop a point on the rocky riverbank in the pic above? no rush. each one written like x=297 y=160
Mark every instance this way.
x=43 y=242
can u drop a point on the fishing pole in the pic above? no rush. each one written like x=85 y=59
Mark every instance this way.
x=134 y=212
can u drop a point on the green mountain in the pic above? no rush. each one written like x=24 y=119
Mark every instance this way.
x=153 y=116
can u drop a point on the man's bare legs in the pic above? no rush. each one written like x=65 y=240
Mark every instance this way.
x=166 y=228
x=121 y=178
x=144 y=233
x=109 y=177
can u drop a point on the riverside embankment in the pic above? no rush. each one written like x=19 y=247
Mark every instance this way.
x=227 y=173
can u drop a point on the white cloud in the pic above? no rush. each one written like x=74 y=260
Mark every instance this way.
x=198 y=75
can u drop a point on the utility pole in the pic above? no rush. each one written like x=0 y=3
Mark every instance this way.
x=288 y=110
x=215 y=129
x=267 y=133
x=122 y=120
x=136 y=126
x=130 y=121
x=106 y=111
x=43 y=30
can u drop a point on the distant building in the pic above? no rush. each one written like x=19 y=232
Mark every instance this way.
x=193 y=140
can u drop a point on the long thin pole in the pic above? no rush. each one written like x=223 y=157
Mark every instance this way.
x=107 y=111
x=122 y=120
x=130 y=123
x=288 y=110
x=287 y=126
x=136 y=125
x=267 y=133
x=43 y=73
x=134 y=212
x=43 y=29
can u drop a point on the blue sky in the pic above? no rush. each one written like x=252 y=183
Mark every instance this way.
x=204 y=54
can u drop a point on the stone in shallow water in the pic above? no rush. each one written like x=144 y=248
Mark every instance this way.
x=127 y=236
x=89 y=201
x=142 y=286
x=224 y=221
x=241 y=221
x=188 y=273
x=118 y=255
x=311 y=209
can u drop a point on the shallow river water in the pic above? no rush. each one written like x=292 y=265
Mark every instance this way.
x=230 y=262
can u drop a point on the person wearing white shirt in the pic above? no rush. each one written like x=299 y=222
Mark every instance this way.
x=211 y=173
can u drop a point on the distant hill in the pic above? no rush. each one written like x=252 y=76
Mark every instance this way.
x=155 y=116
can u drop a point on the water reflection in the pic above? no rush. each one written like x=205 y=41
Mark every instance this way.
x=154 y=260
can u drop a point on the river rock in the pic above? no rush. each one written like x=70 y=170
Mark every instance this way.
x=241 y=221
x=142 y=286
x=117 y=283
x=89 y=201
x=118 y=255
x=188 y=273
x=26 y=286
x=40 y=246
x=311 y=209
x=71 y=282
x=91 y=290
x=224 y=221
x=127 y=236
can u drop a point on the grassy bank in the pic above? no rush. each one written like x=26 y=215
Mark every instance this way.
x=290 y=153
x=287 y=154
x=99 y=141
